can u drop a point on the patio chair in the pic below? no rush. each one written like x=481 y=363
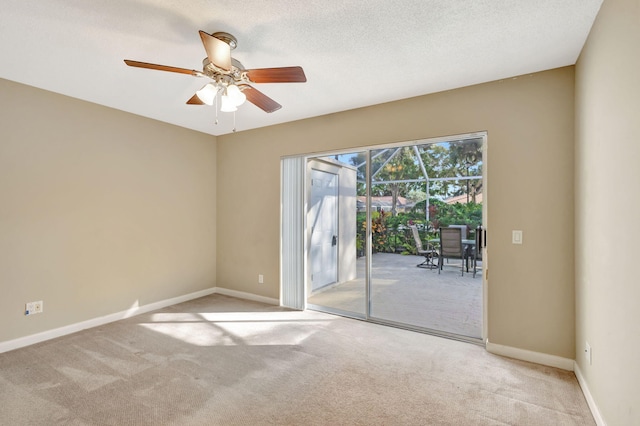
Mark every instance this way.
x=463 y=229
x=451 y=247
x=429 y=253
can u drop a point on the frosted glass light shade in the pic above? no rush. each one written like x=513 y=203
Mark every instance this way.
x=227 y=104
x=236 y=95
x=207 y=94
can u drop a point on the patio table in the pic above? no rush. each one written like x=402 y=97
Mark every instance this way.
x=468 y=246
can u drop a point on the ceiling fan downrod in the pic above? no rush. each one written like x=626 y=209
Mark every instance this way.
x=227 y=38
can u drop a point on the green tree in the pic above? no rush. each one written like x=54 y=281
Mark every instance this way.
x=402 y=164
x=465 y=159
x=417 y=195
x=451 y=160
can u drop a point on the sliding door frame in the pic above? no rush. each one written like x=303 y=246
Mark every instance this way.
x=294 y=242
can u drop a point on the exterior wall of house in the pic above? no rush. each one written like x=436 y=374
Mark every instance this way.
x=530 y=125
x=101 y=211
x=347 y=181
x=607 y=204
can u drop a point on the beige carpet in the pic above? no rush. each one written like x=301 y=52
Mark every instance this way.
x=223 y=361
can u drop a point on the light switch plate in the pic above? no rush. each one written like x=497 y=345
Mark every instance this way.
x=587 y=352
x=516 y=237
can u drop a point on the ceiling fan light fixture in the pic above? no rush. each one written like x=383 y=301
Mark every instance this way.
x=229 y=77
x=236 y=95
x=227 y=104
x=208 y=93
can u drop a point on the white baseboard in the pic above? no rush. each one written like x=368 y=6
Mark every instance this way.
x=530 y=356
x=247 y=296
x=95 y=322
x=587 y=394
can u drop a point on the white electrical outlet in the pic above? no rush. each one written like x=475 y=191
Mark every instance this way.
x=587 y=352
x=33 y=308
x=516 y=237
x=260 y=279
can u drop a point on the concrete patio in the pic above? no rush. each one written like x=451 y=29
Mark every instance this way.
x=403 y=293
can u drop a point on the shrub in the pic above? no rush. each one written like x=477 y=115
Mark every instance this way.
x=391 y=234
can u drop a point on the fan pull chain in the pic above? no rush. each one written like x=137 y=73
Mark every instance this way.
x=216 y=109
x=234 y=121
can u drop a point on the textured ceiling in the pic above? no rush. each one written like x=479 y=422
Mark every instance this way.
x=354 y=53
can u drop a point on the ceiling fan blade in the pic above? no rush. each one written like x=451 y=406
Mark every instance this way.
x=162 y=67
x=218 y=52
x=259 y=99
x=195 y=100
x=277 y=75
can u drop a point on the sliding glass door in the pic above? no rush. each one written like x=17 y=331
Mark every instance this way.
x=336 y=257
x=373 y=235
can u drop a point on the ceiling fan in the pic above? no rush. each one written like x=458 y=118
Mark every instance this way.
x=229 y=77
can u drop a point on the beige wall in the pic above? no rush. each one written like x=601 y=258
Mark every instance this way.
x=530 y=123
x=607 y=207
x=100 y=210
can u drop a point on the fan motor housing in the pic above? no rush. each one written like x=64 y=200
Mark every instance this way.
x=236 y=73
